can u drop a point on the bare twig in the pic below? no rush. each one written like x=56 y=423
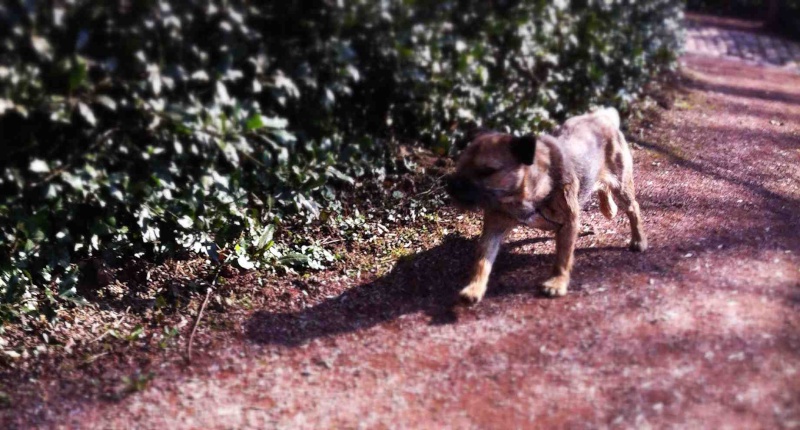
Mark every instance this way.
x=196 y=323
x=437 y=185
x=200 y=314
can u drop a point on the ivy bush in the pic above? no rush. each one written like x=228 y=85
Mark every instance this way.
x=138 y=129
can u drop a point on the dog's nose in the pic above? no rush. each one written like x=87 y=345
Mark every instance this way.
x=461 y=190
x=455 y=184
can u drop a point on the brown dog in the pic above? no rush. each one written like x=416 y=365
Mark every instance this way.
x=543 y=182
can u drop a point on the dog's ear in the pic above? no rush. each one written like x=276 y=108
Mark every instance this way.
x=471 y=134
x=524 y=148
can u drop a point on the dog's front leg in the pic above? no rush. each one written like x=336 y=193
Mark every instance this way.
x=566 y=236
x=495 y=228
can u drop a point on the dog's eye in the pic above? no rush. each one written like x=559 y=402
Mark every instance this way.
x=485 y=171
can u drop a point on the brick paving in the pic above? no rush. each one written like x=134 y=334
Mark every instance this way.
x=725 y=41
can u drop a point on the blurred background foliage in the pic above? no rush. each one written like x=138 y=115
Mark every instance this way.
x=140 y=129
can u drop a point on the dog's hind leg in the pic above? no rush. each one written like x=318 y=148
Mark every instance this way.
x=626 y=195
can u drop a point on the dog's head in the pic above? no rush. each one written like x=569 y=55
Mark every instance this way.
x=491 y=169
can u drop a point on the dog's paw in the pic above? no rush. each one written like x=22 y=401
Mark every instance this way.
x=471 y=295
x=638 y=245
x=556 y=286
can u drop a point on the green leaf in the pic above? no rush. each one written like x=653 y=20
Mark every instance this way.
x=294 y=259
x=255 y=122
x=332 y=171
x=77 y=74
x=245 y=263
x=186 y=222
x=42 y=47
x=275 y=123
x=107 y=102
x=38 y=166
x=265 y=238
x=138 y=331
x=87 y=114
x=67 y=284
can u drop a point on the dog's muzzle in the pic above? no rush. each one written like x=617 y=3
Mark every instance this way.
x=463 y=191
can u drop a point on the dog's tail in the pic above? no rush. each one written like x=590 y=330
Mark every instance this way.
x=610 y=114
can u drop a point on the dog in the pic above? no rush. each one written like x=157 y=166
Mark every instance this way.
x=543 y=182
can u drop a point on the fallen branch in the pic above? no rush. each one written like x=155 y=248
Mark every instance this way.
x=209 y=290
x=196 y=323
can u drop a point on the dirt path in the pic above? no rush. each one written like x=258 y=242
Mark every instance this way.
x=739 y=40
x=703 y=330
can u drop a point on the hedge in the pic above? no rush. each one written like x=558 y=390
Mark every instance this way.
x=139 y=129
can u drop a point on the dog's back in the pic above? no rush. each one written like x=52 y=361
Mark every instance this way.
x=602 y=122
x=584 y=140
